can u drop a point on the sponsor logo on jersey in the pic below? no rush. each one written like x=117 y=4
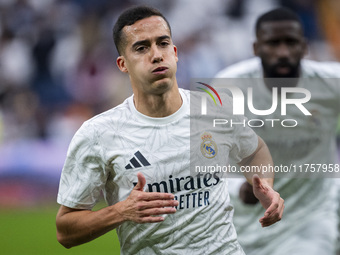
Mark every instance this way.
x=208 y=146
x=197 y=188
x=137 y=161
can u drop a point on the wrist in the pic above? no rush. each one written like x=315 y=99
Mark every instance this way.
x=117 y=212
x=268 y=182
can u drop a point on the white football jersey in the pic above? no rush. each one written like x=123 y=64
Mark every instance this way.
x=107 y=152
x=309 y=222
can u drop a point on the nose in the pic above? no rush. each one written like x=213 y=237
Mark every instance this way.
x=283 y=51
x=156 y=54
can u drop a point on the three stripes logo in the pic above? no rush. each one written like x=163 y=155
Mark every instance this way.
x=209 y=93
x=137 y=161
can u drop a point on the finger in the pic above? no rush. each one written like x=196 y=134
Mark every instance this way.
x=274 y=213
x=141 y=182
x=157 y=204
x=256 y=181
x=267 y=221
x=151 y=219
x=282 y=210
x=271 y=209
x=273 y=217
x=150 y=196
x=157 y=211
x=279 y=212
x=266 y=224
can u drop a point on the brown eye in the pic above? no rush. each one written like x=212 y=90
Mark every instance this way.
x=141 y=48
x=164 y=44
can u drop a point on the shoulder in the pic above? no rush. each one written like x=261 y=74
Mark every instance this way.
x=313 y=68
x=120 y=113
x=244 y=69
x=96 y=131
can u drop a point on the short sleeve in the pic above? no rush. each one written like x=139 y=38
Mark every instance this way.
x=245 y=141
x=83 y=176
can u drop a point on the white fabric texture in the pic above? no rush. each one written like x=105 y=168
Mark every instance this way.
x=309 y=223
x=105 y=156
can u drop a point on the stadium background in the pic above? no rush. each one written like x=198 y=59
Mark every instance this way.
x=57 y=69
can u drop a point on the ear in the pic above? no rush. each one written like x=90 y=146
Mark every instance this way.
x=122 y=64
x=175 y=50
x=255 y=48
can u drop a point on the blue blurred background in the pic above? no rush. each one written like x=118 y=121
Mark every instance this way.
x=57 y=69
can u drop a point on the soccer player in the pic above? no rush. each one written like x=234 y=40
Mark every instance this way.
x=309 y=225
x=138 y=155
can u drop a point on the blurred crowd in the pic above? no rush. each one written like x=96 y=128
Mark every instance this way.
x=57 y=57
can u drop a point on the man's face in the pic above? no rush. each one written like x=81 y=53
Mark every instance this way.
x=149 y=57
x=281 y=46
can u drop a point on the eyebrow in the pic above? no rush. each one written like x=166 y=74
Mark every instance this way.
x=143 y=42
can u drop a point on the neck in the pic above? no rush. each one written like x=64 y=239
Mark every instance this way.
x=158 y=105
x=280 y=82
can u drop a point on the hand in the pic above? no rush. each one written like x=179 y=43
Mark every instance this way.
x=142 y=207
x=270 y=200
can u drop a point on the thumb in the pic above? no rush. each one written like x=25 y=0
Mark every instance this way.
x=141 y=182
x=257 y=183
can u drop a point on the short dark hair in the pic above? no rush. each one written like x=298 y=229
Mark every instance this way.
x=129 y=17
x=278 y=14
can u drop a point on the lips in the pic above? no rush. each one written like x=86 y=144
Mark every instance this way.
x=283 y=64
x=161 y=69
x=283 y=68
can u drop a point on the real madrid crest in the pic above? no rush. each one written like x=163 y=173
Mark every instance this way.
x=208 y=146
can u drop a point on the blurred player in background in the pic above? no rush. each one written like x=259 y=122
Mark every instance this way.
x=138 y=154
x=310 y=223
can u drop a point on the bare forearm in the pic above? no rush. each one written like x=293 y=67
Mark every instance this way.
x=75 y=227
x=262 y=184
x=261 y=157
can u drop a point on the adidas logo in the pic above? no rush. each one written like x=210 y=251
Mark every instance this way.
x=138 y=161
